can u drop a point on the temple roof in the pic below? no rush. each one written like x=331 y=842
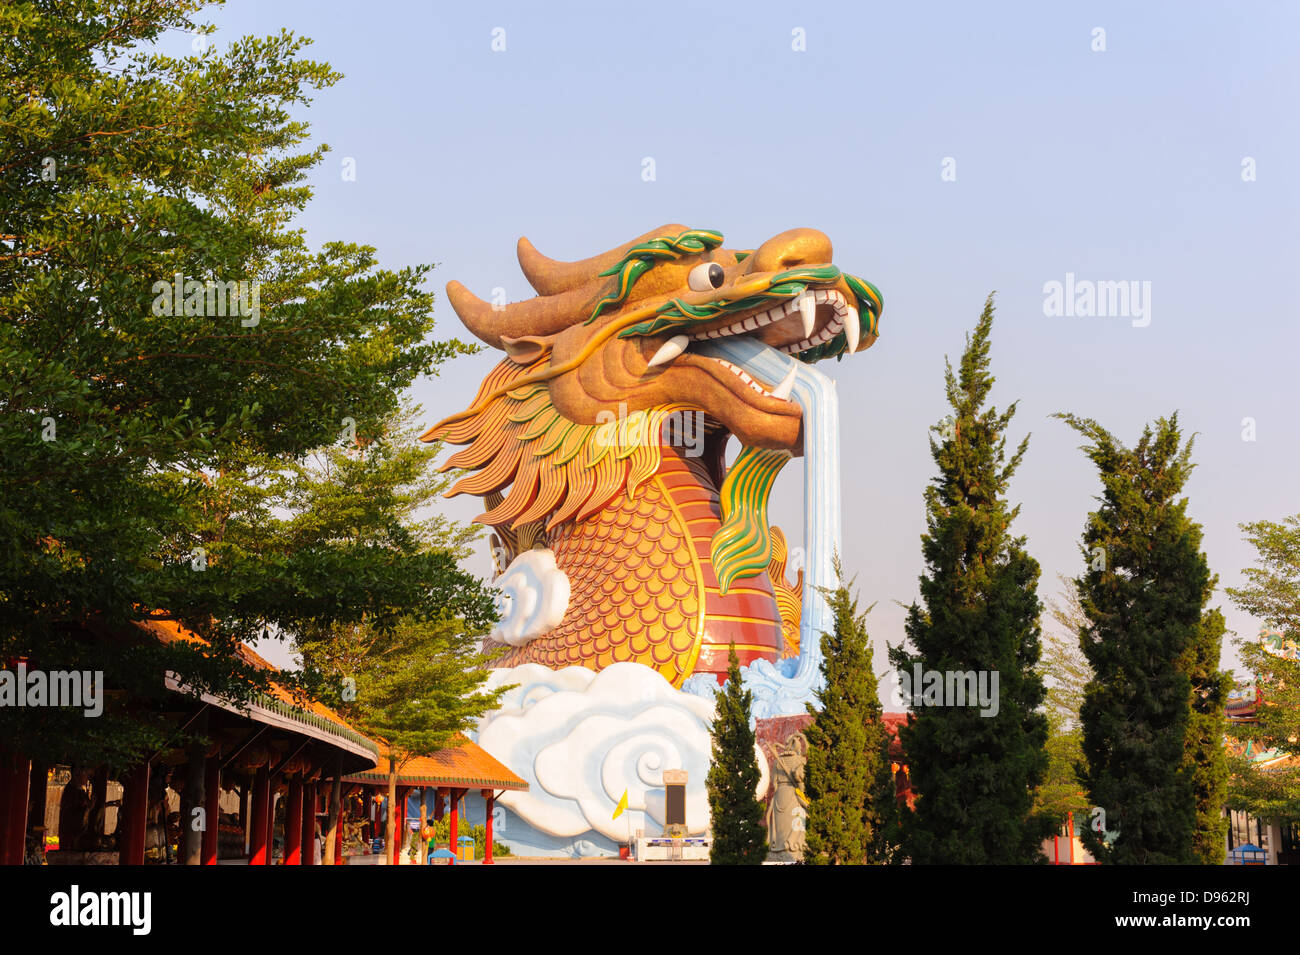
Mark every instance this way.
x=461 y=765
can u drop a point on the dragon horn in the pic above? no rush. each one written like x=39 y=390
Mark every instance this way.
x=551 y=276
x=544 y=315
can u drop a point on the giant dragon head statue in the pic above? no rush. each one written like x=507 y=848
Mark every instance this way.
x=621 y=328
x=569 y=444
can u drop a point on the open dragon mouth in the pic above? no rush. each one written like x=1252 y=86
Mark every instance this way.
x=808 y=313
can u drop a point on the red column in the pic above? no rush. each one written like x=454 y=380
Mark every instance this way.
x=135 y=804
x=259 y=853
x=400 y=825
x=453 y=845
x=17 y=773
x=270 y=824
x=293 y=823
x=338 y=839
x=211 y=808
x=489 y=796
x=309 y=824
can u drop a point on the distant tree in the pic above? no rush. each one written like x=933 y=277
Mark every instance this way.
x=412 y=680
x=1272 y=594
x=852 y=809
x=735 y=812
x=974 y=774
x=1153 y=713
x=1065 y=673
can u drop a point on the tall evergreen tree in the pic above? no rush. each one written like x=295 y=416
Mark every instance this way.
x=974 y=775
x=1153 y=714
x=850 y=789
x=736 y=814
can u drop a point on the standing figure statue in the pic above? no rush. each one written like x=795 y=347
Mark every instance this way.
x=787 y=812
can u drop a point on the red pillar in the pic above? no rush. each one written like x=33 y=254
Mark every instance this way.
x=211 y=808
x=400 y=825
x=452 y=844
x=135 y=804
x=338 y=839
x=16 y=770
x=259 y=853
x=309 y=824
x=294 y=823
x=490 y=797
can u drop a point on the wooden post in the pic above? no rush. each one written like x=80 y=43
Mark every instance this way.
x=424 y=821
x=135 y=805
x=308 y=823
x=243 y=813
x=452 y=842
x=334 y=835
x=489 y=796
x=98 y=799
x=399 y=825
x=259 y=853
x=191 y=847
x=36 y=797
x=211 y=807
x=293 y=823
x=17 y=784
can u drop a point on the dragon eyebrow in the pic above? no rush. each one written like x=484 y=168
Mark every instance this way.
x=644 y=256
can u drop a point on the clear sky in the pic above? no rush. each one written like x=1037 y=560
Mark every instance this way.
x=1123 y=164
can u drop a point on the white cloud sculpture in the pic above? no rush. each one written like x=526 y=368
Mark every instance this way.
x=534 y=596
x=580 y=737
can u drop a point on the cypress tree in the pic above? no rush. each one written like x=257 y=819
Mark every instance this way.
x=974 y=768
x=739 y=828
x=1153 y=714
x=850 y=818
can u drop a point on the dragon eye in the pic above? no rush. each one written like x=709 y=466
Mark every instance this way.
x=705 y=276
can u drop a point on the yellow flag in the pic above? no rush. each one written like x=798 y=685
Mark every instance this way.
x=622 y=804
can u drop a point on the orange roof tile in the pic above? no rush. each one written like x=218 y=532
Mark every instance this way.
x=167 y=631
x=464 y=764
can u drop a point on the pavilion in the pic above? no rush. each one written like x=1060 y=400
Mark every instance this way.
x=450 y=774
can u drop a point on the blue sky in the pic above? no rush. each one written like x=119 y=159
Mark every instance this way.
x=1117 y=165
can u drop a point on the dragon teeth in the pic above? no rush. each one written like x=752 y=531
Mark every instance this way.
x=783 y=390
x=852 y=330
x=808 y=308
x=805 y=304
x=669 y=350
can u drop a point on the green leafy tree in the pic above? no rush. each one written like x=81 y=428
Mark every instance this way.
x=1065 y=673
x=852 y=807
x=974 y=775
x=1272 y=594
x=736 y=814
x=413 y=681
x=169 y=347
x=414 y=685
x=1153 y=714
